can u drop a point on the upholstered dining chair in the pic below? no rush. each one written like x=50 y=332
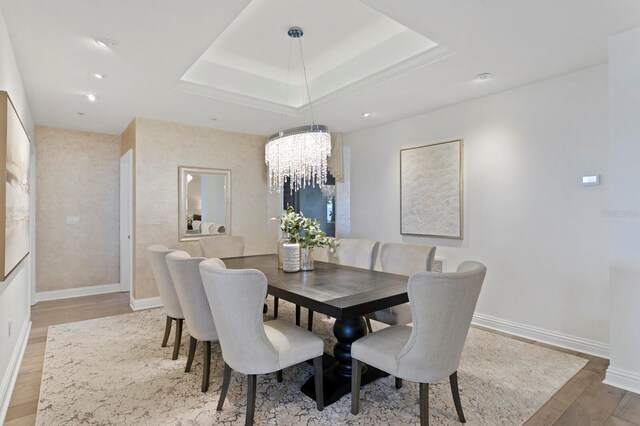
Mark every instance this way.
x=249 y=345
x=185 y=273
x=157 y=255
x=357 y=253
x=401 y=259
x=222 y=246
x=442 y=306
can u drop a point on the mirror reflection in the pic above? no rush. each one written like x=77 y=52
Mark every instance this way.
x=204 y=202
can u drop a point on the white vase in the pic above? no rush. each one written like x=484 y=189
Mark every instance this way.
x=291 y=257
x=306 y=259
x=281 y=242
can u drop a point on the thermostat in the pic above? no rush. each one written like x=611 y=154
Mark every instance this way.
x=590 y=180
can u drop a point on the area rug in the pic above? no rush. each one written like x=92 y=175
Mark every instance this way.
x=112 y=371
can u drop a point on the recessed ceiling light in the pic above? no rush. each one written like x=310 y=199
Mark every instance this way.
x=367 y=114
x=484 y=76
x=106 y=42
x=99 y=76
x=91 y=97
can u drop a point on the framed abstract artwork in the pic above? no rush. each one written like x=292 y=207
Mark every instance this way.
x=431 y=193
x=14 y=195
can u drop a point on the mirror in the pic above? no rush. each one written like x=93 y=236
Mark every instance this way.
x=205 y=202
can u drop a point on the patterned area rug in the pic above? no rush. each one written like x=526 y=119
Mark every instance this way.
x=112 y=371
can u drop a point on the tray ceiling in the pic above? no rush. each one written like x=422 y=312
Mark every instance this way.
x=347 y=47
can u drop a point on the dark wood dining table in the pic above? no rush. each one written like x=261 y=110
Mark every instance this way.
x=342 y=292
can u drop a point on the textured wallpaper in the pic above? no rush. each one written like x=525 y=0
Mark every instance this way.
x=160 y=148
x=77 y=174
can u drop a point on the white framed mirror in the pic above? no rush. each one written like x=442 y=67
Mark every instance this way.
x=204 y=202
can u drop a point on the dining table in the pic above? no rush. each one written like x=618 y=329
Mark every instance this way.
x=342 y=292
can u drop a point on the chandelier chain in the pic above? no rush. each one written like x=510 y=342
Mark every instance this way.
x=306 y=83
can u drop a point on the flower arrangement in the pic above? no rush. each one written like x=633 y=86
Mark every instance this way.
x=291 y=224
x=304 y=231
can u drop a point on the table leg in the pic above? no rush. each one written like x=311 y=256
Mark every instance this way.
x=337 y=374
x=347 y=331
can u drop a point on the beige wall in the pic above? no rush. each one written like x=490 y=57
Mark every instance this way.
x=128 y=138
x=77 y=175
x=160 y=148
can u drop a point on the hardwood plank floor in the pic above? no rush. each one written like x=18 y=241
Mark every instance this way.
x=24 y=400
x=584 y=400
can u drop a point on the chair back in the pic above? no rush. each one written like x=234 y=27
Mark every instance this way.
x=406 y=259
x=185 y=272
x=322 y=254
x=357 y=253
x=442 y=305
x=222 y=246
x=157 y=255
x=236 y=297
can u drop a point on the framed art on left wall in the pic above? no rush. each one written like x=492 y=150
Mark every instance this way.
x=14 y=195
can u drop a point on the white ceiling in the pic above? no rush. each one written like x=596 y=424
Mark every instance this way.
x=255 y=63
x=518 y=41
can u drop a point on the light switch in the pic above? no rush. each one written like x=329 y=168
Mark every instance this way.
x=73 y=220
x=158 y=220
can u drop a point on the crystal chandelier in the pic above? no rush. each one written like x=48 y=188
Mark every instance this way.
x=300 y=153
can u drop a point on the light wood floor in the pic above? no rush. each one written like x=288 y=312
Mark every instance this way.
x=584 y=400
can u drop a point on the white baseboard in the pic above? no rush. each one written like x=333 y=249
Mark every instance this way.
x=10 y=376
x=42 y=296
x=148 y=303
x=623 y=379
x=554 y=338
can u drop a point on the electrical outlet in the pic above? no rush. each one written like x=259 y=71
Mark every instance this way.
x=10 y=323
x=73 y=220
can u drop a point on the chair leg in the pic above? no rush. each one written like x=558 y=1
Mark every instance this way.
x=167 y=332
x=424 y=404
x=279 y=376
x=318 y=379
x=453 y=380
x=251 y=399
x=275 y=307
x=193 y=342
x=356 y=371
x=226 y=378
x=368 y=324
x=206 y=366
x=310 y=320
x=176 y=343
x=297 y=315
x=398 y=383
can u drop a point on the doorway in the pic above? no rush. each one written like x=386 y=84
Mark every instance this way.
x=315 y=203
x=126 y=221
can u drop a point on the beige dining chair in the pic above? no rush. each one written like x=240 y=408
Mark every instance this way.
x=357 y=253
x=185 y=272
x=401 y=259
x=166 y=288
x=442 y=305
x=222 y=246
x=249 y=345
